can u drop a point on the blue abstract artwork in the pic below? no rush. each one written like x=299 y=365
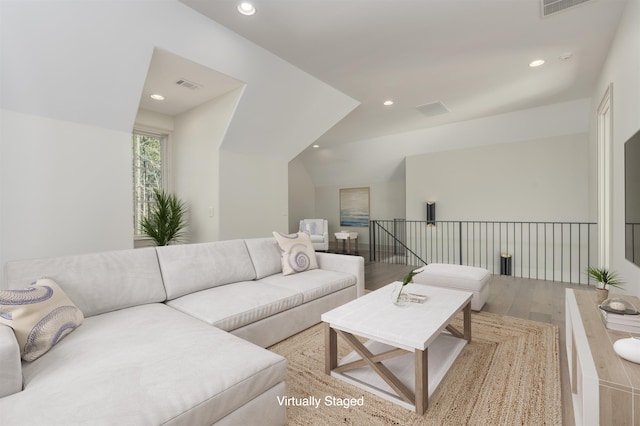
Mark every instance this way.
x=354 y=207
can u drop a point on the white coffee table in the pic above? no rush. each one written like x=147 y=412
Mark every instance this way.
x=416 y=342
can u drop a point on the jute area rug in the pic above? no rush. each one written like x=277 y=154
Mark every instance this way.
x=508 y=375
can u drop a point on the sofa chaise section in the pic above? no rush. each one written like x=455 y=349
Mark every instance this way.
x=135 y=360
x=145 y=365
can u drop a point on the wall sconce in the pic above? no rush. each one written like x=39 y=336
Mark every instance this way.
x=431 y=213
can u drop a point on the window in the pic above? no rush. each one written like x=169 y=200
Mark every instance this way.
x=148 y=151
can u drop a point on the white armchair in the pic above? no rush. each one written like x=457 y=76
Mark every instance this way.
x=318 y=229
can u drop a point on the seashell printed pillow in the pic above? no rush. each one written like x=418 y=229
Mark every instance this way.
x=297 y=250
x=40 y=316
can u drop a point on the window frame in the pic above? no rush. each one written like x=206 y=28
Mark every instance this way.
x=165 y=138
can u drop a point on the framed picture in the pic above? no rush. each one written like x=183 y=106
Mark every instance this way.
x=354 y=207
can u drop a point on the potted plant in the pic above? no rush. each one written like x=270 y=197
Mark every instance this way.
x=605 y=279
x=166 y=220
x=400 y=298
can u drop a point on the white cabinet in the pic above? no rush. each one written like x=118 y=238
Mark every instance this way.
x=605 y=388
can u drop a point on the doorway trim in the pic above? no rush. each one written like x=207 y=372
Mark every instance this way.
x=605 y=177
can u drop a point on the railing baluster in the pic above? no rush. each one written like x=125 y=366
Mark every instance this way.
x=580 y=248
x=486 y=239
x=570 y=252
x=415 y=243
x=529 y=252
x=553 y=252
x=588 y=252
x=521 y=247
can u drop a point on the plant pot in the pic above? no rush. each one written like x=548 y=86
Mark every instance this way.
x=602 y=294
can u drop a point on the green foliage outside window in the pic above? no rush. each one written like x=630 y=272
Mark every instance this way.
x=147 y=175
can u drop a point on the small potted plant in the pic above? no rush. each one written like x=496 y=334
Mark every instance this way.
x=401 y=298
x=167 y=219
x=605 y=279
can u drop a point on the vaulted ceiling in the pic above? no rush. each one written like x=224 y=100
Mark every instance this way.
x=472 y=57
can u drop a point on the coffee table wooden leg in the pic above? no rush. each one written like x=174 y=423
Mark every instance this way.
x=466 y=332
x=400 y=388
x=467 y=322
x=331 y=348
x=422 y=380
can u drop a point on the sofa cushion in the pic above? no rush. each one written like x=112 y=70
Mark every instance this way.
x=235 y=305
x=146 y=365
x=40 y=315
x=97 y=282
x=265 y=255
x=188 y=268
x=10 y=363
x=298 y=254
x=312 y=284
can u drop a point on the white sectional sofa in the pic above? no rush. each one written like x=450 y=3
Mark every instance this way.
x=171 y=335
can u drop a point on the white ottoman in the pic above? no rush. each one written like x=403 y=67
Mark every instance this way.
x=457 y=277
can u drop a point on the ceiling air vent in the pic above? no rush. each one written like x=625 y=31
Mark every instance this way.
x=433 y=108
x=188 y=84
x=549 y=7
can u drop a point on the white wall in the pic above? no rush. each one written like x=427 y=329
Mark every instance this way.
x=87 y=62
x=538 y=180
x=66 y=187
x=302 y=203
x=3 y=249
x=360 y=164
x=151 y=120
x=195 y=163
x=382 y=159
x=622 y=68
x=253 y=196
x=386 y=201
x=74 y=72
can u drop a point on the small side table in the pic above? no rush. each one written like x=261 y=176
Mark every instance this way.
x=346 y=238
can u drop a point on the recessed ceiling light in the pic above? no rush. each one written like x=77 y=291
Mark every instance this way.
x=388 y=103
x=536 y=63
x=157 y=97
x=246 y=8
x=316 y=146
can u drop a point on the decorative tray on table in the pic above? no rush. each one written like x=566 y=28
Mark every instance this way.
x=617 y=305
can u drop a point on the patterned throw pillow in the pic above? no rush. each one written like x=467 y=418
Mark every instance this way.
x=297 y=250
x=40 y=316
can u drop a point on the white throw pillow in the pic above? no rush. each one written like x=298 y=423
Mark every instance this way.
x=310 y=228
x=297 y=250
x=40 y=316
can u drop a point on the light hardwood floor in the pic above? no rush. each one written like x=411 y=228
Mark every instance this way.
x=536 y=300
